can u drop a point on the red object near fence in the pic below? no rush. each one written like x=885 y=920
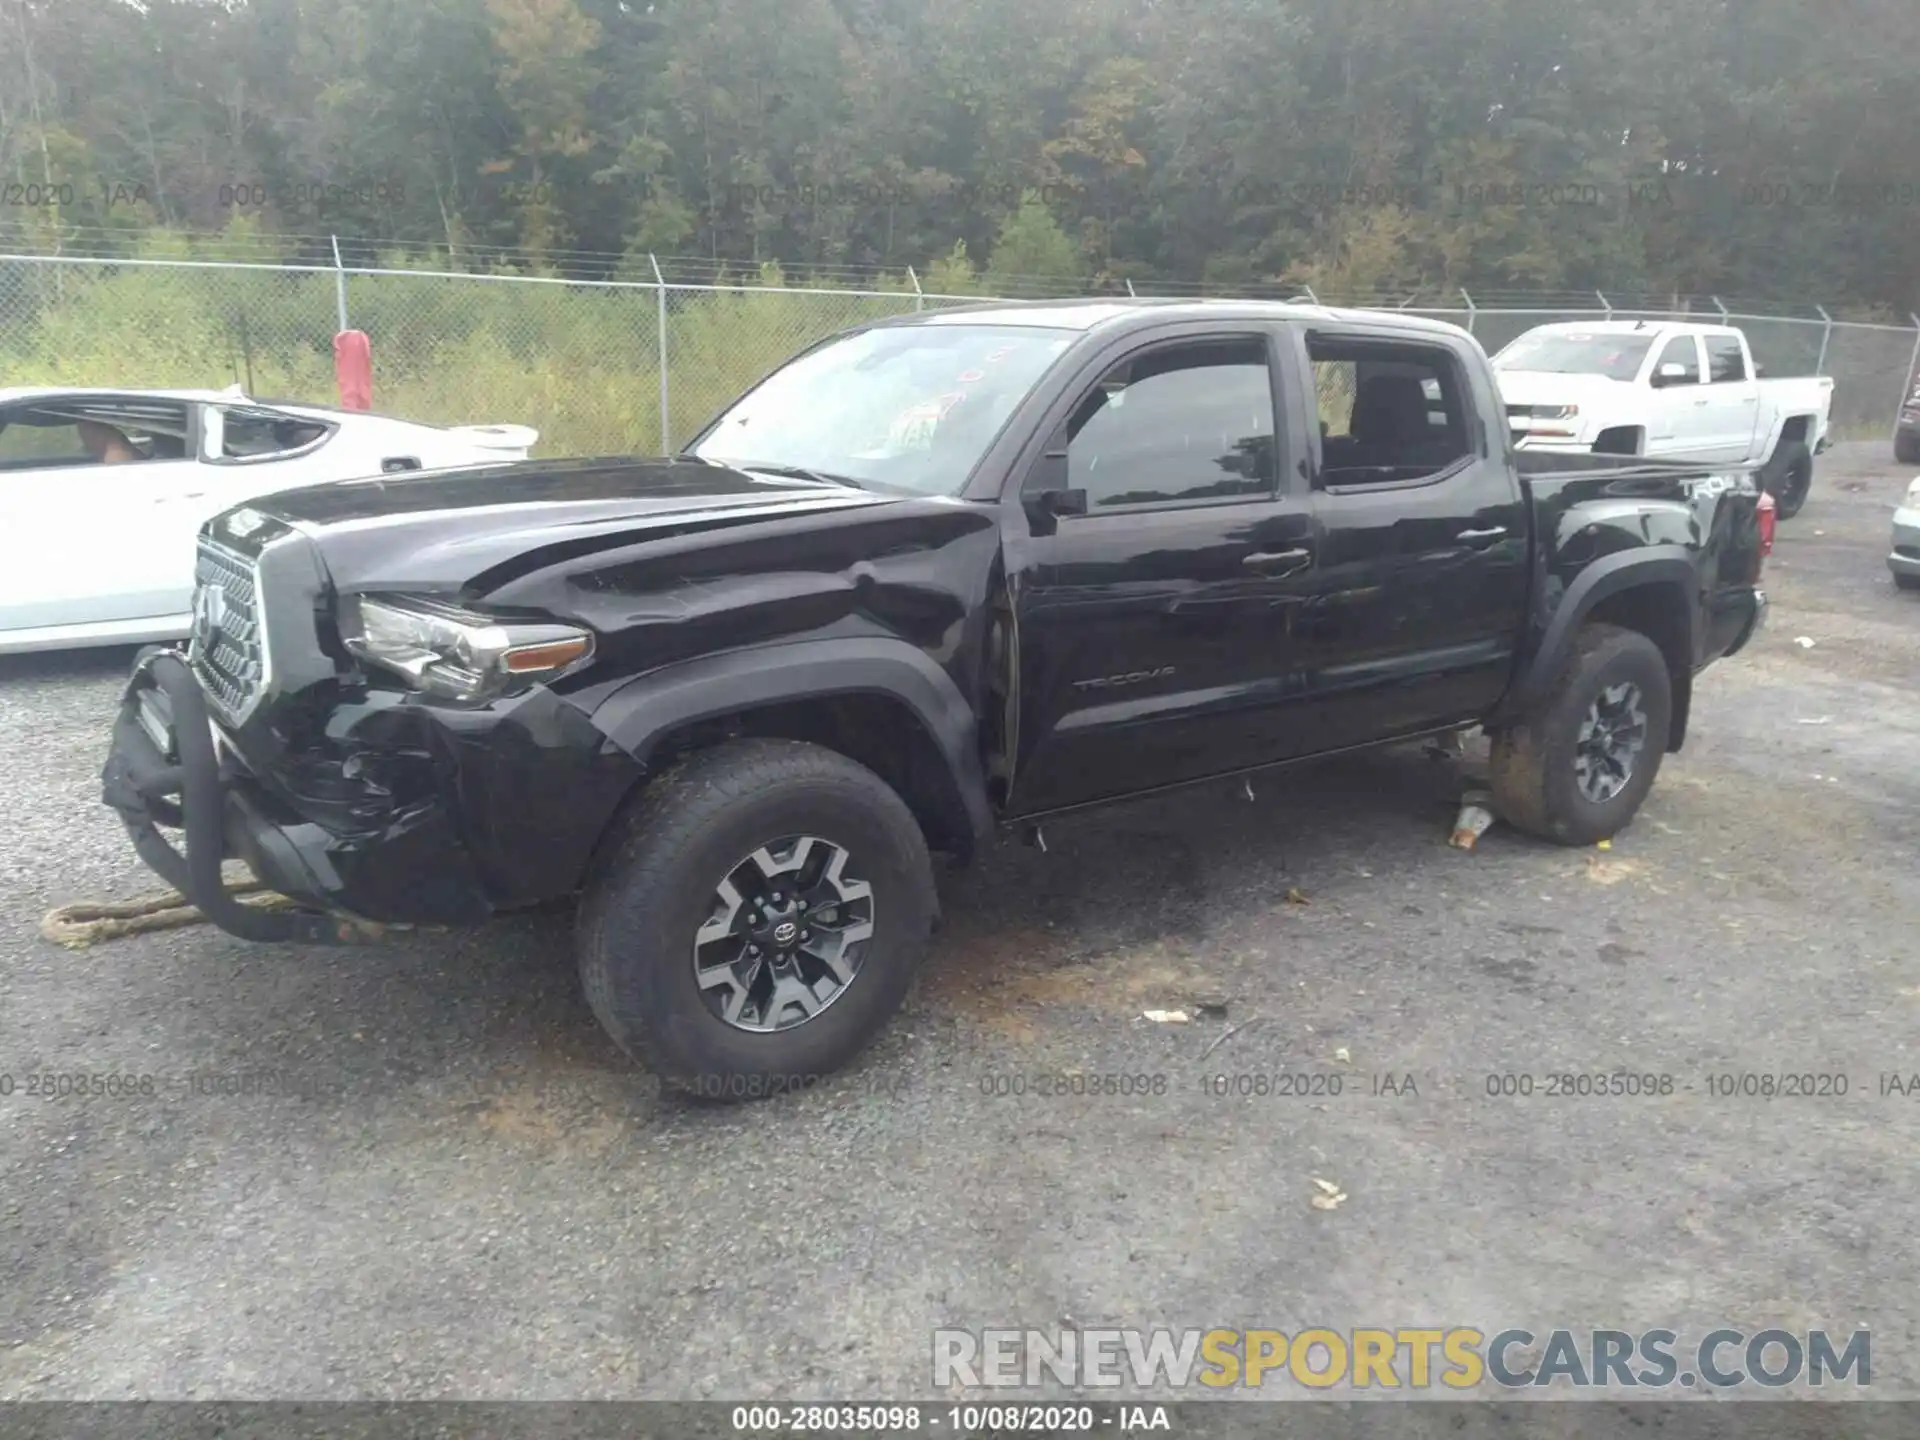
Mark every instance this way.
x=353 y=369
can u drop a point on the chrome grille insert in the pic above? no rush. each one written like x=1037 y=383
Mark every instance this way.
x=228 y=646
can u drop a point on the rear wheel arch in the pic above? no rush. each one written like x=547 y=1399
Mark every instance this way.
x=1650 y=591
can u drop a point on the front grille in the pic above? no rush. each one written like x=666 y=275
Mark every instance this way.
x=228 y=648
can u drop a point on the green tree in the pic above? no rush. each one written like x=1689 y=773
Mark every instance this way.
x=1032 y=253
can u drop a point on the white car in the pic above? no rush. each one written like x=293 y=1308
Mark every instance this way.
x=1903 y=559
x=102 y=493
x=1666 y=390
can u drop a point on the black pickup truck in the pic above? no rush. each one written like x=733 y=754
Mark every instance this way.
x=933 y=577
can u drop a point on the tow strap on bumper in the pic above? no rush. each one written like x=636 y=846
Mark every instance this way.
x=181 y=786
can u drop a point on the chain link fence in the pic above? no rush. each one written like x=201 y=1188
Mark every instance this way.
x=618 y=366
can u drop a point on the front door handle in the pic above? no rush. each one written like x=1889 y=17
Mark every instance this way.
x=1282 y=560
x=1481 y=537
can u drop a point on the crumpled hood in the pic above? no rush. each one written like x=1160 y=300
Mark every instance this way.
x=450 y=530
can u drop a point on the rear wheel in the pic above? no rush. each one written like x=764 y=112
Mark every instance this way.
x=1788 y=476
x=1907 y=582
x=1577 y=767
x=757 y=920
x=1906 y=447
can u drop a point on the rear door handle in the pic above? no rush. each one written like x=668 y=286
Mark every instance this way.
x=1481 y=537
x=1282 y=560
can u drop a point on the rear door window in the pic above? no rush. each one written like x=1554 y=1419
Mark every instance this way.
x=1725 y=362
x=1388 y=412
x=254 y=434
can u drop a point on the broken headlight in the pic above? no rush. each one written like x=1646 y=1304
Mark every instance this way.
x=447 y=651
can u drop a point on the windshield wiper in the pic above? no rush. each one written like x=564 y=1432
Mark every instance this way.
x=800 y=472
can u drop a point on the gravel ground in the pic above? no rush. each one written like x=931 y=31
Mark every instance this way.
x=461 y=1189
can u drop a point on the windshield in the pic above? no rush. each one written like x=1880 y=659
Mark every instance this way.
x=1617 y=357
x=909 y=407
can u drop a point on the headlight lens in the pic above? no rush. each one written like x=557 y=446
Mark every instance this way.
x=447 y=651
x=1556 y=412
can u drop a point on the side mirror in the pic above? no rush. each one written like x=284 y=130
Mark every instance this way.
x=1758 y=371
x=1047 y=496
x=1063 y=502
x=1045 y=507
x=1671 y=373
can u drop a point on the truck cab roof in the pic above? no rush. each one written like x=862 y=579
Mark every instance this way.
x=1632 y=327
x=1114 y=315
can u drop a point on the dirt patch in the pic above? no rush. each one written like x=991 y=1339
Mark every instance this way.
x=1007 y=981
x=528 y=1114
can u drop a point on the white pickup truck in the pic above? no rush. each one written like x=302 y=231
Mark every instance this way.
x=1668 y=391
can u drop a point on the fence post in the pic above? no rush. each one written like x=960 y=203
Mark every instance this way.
x=919 y=297
x=1605 y=304
x=1906 y=385
x=339 y=284
x=660 y=294
x=1470 y=310
x=1826 y=338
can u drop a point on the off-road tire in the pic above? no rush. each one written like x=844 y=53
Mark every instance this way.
x=1906 y=447
x=1906 y=582
x=1532 y=766
x=656 y=879
x=1788 y=477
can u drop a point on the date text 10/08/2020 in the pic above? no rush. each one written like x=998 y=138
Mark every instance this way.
x=958 y=1419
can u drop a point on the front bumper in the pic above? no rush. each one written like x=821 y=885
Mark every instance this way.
x=166 y=768
x=171 y=767
x=1903 y=557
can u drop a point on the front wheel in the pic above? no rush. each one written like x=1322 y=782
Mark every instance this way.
x=1576 y=768
x=1906 y=582
x=1788 y=477
x=1906 y=447
x=757 y=920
